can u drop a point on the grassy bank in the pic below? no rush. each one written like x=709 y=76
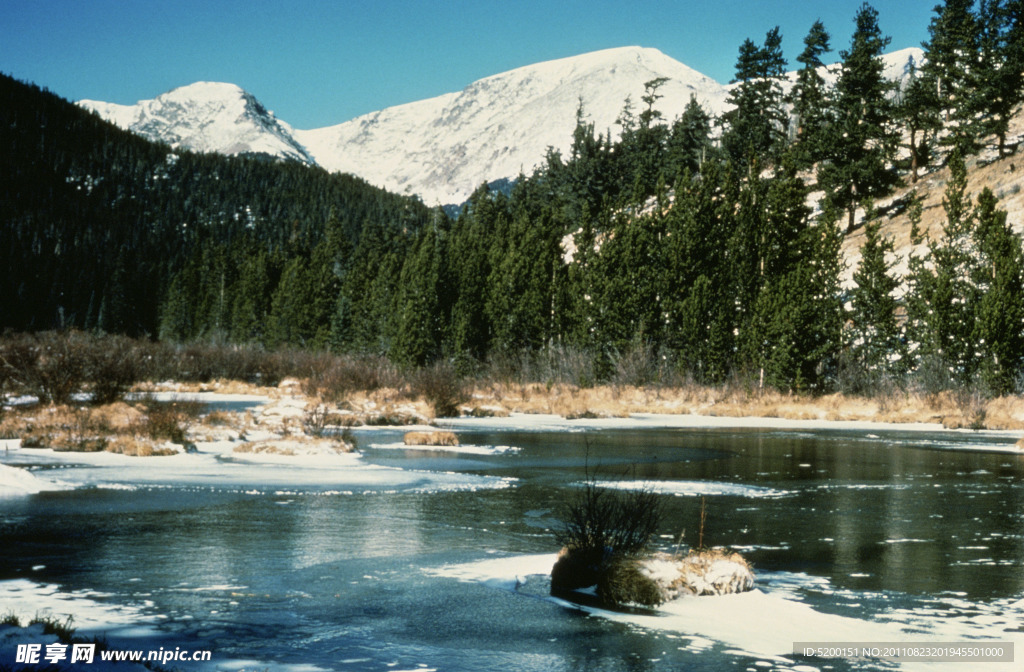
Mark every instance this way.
x=84 y=380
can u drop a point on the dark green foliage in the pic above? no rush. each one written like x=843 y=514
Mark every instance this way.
x=1000 y=67
x=999 y=329
x=917 y=107
x=951 y=56
x=104 y=230
x=965 y=305
x=664 y=255
x=876 y=343
x=689 y=144
x=810 y=99
x=757 y=127
x=862 y=140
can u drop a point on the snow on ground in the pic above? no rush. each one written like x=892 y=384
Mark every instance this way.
x=697 y=488
x=215 y=464
x=542 y=422
x=767 y=621
x=658 y=420
x=462 y=449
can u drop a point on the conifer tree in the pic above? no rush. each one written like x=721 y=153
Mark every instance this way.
x=689 y=143
x=809 y=98
x=251 y=293
x=1000 y=68
x=792 y=332
x=862 y=140
x=944 y=295
x=917 y=107
x=951 y=55
x=418 y=314
x=874 y=336
x=756 y=126
x=1000 y=318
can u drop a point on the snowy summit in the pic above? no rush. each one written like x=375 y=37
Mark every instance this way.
x=206 y=117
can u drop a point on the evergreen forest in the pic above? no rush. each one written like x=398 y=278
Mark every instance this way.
x=692 y=240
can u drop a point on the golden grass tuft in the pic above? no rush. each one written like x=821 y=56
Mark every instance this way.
x=430 y=439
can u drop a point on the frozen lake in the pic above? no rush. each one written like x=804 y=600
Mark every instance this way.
x=400 y=559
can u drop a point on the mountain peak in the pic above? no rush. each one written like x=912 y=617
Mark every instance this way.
x=206 y=117
x=445 y=147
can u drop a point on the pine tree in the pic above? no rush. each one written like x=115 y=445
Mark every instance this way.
x=874 y=336
x=951 y=55
x=251 y=294
x=809 y=98
x=418 y=315
x=689 y=143
x=756 y=126
x=917 y=107
x=944 y=295
x=1000 y=317
x=793 y=332
x=862 y=141
x=1000 y=68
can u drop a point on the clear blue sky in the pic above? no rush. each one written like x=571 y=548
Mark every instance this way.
x=317 y=63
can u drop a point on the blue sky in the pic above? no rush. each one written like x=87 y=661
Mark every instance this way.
x=317 y=63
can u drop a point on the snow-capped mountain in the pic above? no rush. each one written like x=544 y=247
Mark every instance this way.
x=445 y=147
x=207 y=117
x=442 y=148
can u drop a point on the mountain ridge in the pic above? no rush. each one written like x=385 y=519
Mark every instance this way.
x=442 y=148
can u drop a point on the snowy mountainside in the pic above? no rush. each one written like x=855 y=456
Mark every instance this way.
x=444 y=147
x=206 y=117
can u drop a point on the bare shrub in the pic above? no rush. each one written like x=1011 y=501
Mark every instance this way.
x=48 y=365
x=334 y=378
x=603 y=528
x=608 y=518
x=314 y=420
x=111 y=368
x=573 y=366
x=442 y=387
x=638 y=366
x=168 y=420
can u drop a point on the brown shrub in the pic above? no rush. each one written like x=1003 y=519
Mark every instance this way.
x=48 y=365
x=431 y=439
x=334 y=378
x=442 y=387
x=622 y=583
x=167 y=420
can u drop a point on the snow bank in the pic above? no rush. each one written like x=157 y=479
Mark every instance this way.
x=16 y=481
x=766 y=621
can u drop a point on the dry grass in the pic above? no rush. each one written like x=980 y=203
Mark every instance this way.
x=118 y=427
x=430 y=439
x=947 y=408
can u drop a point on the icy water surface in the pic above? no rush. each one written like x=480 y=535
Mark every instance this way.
x=436 y=559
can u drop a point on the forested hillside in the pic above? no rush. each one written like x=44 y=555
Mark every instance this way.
x=705 y=247
x=97 y=223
